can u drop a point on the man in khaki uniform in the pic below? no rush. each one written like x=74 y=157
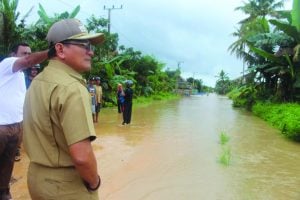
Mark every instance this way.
x=58 y=125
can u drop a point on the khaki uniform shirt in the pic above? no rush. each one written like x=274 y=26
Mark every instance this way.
x=57 y=114
x=98 y=93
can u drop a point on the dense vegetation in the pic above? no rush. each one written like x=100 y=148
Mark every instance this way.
x=268 y=43
x=112 y=62
x=286 y=117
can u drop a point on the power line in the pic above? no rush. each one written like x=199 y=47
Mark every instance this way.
x=110 y=25
x=109 y=11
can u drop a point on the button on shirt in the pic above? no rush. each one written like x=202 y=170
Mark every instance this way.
x=57 y=114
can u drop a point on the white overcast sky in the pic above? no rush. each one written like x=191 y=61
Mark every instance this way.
x=195 y=34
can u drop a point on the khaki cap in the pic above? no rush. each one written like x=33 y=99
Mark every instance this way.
x=67 y=29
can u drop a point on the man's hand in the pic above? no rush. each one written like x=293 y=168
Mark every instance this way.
x=85 y=163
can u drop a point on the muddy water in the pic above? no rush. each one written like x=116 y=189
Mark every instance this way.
x=171 y=151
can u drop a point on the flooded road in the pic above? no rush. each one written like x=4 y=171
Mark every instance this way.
x=171 y=152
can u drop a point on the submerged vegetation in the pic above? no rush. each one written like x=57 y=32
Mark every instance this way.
x=225 y=156
x=224 y=138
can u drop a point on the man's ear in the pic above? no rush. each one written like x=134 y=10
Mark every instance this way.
x=59 y=50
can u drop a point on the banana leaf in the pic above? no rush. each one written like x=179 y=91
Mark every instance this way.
x=273 y=69
x=75 y=12
x=296 y=14
x=288 y=29
x=266 y=55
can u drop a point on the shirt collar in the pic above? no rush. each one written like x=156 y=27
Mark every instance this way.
x=67 y=69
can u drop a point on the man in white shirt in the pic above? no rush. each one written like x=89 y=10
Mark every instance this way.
x=12 y=95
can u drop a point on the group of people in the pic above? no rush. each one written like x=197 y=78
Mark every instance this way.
x=54 y=114
x=95 y=90
x=124 y=101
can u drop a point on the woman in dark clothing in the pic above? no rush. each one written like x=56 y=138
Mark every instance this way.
x=120 y=98
x=128 y=103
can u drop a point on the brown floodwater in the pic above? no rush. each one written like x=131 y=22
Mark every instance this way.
x=171 y=151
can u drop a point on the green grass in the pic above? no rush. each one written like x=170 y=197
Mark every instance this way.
x=224 y=138
x=225 y=156
x=285 y=116
x=146 y=100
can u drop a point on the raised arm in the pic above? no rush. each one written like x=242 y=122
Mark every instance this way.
x=30 y=60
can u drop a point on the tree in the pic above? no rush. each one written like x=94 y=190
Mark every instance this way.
x=257 y=45
x=223 y=83
x=260 y=9
x=9 y=29
x=257 y=11
x=47 y=20
x=112 y=66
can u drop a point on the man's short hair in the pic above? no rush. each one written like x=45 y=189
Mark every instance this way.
x=15 y=47
x=51 y=52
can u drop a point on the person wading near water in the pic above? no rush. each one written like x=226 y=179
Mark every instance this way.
x=99 y=94
x=128 y=102
x=120 y=98
x=92 y=90
x=58 y=124
x=12 y=94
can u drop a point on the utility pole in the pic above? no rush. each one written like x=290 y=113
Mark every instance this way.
x=177 y=78
x=178 y=64
x=194 y=79
x=109 y=10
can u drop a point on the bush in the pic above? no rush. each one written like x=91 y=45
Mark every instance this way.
x=286 y=117
x=244 y=96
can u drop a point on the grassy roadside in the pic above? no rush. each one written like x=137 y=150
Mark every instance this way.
x=284 y=116
x=144 y=101
x=147 y=100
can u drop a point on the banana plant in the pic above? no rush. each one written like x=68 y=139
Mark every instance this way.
x=292 y=29
x=8 y=15
x=45 y=19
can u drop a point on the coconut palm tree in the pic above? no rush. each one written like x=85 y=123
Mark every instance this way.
x=255 y=33
x=260 y=9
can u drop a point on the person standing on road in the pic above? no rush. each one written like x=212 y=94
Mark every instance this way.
x=12 y=94
x=62 y=161
x=128 y=102
x=99 y=94
x=93 y=101
x=120 y=98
